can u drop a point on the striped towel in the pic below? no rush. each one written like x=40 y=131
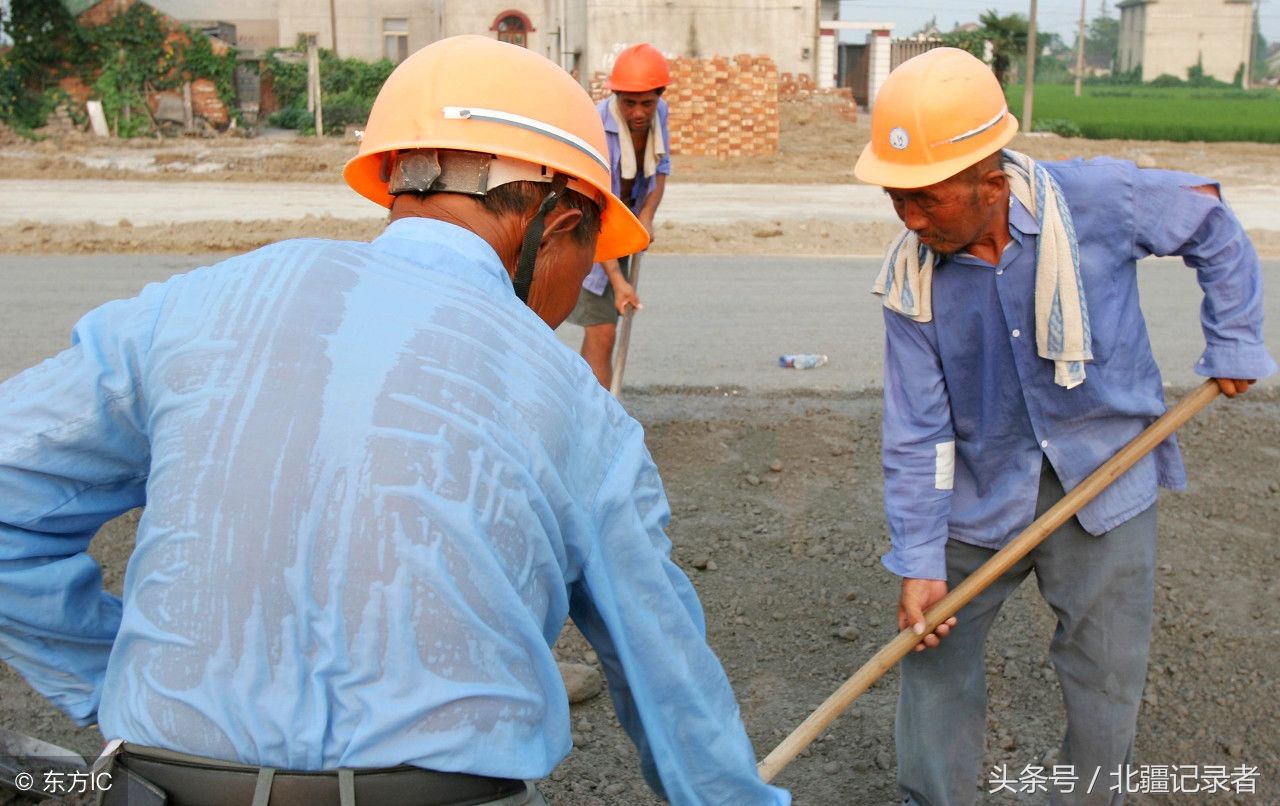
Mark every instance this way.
x=1062 y=317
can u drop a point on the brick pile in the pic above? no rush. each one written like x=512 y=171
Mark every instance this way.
x=802 y=88
x=721 y=106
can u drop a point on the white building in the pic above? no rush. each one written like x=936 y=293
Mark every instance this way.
x=1170 y=36
x=580 y=35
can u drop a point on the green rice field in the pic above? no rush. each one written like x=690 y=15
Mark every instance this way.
x=1154 y=113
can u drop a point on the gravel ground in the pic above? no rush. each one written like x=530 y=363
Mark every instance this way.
x=778 y=521
x=778 y=517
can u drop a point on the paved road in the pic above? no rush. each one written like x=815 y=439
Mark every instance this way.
x=163 y=202
x=708 y=321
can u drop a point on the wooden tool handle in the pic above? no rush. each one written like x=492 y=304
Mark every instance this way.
x=1032 y=536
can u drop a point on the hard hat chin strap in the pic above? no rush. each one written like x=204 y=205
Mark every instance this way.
x=533 y=238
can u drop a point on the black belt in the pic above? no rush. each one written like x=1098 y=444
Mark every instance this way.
x=189 y=780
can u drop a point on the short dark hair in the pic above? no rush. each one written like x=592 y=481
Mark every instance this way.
x=521 y=197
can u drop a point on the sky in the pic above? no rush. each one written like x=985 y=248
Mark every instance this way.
x=1059 y=16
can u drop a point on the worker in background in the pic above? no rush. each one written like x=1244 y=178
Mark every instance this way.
x=376 y=485
x=635 y=127
x=1016 y=362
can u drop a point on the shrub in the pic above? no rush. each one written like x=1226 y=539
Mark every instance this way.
x=347 y=90
x=1059 y=126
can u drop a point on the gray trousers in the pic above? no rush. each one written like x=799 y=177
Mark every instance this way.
x=1102 y=591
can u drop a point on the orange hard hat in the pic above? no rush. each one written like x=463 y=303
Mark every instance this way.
x=472 y=93
x=937 y=114
x=639 y=68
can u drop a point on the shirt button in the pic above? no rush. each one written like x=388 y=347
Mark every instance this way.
x=1016 y=333
x=1044 y=443
x=999 y=271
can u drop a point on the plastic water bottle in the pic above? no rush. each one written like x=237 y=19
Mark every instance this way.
x=801 y=360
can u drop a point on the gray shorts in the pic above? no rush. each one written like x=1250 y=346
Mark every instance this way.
x=598 y=309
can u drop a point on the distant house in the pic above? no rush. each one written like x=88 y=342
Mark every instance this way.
x=581 y=35
x=1171 y=36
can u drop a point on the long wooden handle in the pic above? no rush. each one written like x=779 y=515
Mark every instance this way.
x=624 y=332
x=1002 y=561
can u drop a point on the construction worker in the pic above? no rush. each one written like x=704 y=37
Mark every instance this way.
x=635 y=127
x=1016 y=362
x=375 y=485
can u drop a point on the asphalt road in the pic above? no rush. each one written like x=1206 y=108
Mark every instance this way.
x=165 y=201
x=709 y=321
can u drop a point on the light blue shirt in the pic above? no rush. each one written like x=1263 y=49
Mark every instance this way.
x=597 y=279
x=972 y=377
x=376 y=485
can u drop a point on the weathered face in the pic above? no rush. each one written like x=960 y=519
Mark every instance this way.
x=638 y=109
x=562 y=265
x=947 y=216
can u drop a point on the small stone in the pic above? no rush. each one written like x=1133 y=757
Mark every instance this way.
x=700 y=562
x=1145 y=160
x=883 y=760
x=711 y=566
x=1009 y=744
x=581 y=682
x=832 y=768
x=849 y=633
x=753 y=479
x=775 y=466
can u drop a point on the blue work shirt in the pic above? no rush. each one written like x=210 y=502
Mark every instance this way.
x=971 y=410
x=597 y=279
x=375 y=486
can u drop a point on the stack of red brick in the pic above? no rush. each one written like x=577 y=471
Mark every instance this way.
x=722 y=106
x=801 y=87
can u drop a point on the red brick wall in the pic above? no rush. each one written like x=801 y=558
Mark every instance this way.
x=722 y=106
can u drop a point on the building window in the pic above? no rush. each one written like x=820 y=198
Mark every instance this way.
x=395 y=39
x=514 y=27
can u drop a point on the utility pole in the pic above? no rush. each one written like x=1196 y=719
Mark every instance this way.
x=1029 y=90
x=333 y=29
x=1080 y=50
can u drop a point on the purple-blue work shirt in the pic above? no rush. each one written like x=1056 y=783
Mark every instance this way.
x=971 y=376
x=597 y=279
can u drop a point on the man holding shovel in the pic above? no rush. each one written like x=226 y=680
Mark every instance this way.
x=1016 y=362
x=635 y=126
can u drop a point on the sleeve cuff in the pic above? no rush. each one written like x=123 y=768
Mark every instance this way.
x=1246 y=361
x=927 y=560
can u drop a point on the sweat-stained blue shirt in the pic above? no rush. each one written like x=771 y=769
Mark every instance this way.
x=375 y=486
x=971 y=411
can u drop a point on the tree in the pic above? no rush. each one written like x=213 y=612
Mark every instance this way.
x=1008 y=38
x=1260 y=49
x=1102 y=42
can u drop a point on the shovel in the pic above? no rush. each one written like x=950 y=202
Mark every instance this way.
x=624 y=332
x=1032 y=536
